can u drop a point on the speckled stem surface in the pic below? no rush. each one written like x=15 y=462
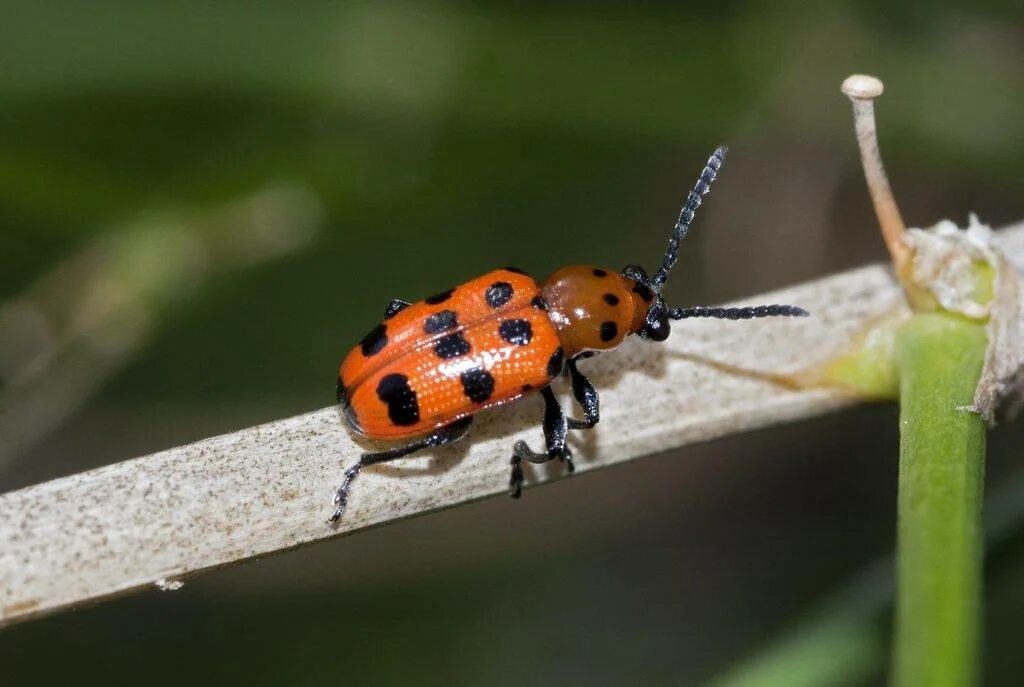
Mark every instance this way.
x=146 y=522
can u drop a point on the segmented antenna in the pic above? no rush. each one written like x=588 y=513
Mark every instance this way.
x=693 y=202
x=745 y=313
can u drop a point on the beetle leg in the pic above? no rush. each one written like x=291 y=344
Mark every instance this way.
x=394 y=307
x=586 y=395
x=442 y=436
x=579 y=356
x=556 y=427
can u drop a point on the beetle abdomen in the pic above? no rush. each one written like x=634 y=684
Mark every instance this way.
x=484 y=343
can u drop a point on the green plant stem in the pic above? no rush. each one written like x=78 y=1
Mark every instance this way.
x=941 y=476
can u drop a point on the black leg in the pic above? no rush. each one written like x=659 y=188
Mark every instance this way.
x=556 y=427
x=586 y=396
x=445 y=435
x=394 y=307
x=581 y=356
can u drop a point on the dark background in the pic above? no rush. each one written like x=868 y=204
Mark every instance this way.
x=427 y=143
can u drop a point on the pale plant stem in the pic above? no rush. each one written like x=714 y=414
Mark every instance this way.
x=151 y=520
x=889 y=218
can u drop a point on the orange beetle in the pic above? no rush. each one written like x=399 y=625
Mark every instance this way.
x=430 y=366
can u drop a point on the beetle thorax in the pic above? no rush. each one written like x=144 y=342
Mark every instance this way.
x=593 y=309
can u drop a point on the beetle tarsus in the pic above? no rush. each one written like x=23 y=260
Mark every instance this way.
x=555 y=429
x=341 y=496
x=521 y=451
x=515 y=482
x=442 y=436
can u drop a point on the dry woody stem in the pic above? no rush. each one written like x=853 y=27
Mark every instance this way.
x=147 y=522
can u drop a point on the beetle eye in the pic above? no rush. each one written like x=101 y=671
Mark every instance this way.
x=656 y=328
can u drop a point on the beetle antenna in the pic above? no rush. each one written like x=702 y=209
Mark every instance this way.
x=745 y=313
x=693 y=202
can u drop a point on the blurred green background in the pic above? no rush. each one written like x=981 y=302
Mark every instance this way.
x=202 y=205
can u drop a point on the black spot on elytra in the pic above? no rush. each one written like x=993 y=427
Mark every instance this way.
x=609 y=330
x=513 y=269
x=556 y=362
x=440 y=298
x=375 y=341
x=644 y=292
x=395 y=392
x=518 y=332
x=610 y=299
x=498 y=294
x=527 y=388
x=451 y=346
x=440 y=322
x=598 y=272
x=477 y=384
x=539 y=303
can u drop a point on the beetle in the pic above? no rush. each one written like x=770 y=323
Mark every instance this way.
x=429 y=367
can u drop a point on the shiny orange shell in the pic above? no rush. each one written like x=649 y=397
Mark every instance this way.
x=481 y=344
